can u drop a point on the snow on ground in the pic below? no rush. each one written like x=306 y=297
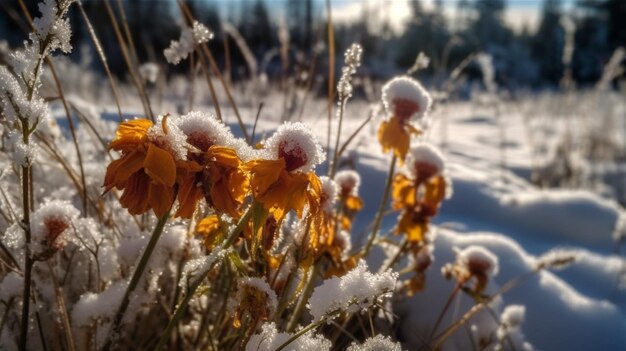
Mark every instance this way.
x=579 y=308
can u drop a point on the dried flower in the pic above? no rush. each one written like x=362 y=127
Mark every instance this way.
x=404 y=98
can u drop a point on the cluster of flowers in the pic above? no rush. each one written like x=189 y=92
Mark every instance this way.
x=282 y=228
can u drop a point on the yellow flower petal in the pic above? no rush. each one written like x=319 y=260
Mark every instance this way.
x=264 y=173
x=403 y=192
x=414 y=228
x=160 y=166
x=130 y=134
x=354 y=203
x=393 y=136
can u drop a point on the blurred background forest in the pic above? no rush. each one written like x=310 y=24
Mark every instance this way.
x=528 y=57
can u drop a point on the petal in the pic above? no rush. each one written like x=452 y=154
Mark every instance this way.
x=297 y=193
x=120 y=170
x=415 y=230
x=403 y=192
x=354 y=203
x=223 y=155
x=160 y=165
x=130 y=134
x=160 y=198
x=264 y=173
x=392 y=136
x=135 y=197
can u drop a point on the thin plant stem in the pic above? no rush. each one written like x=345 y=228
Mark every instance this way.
x=306 y=329
x=70 y=123
x=102 y=56
x=331 y=70
x=381 y=208
x=396 y=257
x=451 y=298
x=478 y=307
x=343 y=147
x=256 y=121
x=141 y=266
x=304 y=298
x=131 y=68
x=182 y=307
x=342 y=109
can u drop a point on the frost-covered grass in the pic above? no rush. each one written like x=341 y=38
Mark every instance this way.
x=487 y=224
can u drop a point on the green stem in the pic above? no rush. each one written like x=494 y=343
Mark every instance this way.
x=381 y=208
x=134 y=281
x=182 y=307
x=304 y=298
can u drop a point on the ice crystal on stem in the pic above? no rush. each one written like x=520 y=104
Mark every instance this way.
x=352 y=62
x=189 y=39
x=270 y=339
x=376 y=343
x=357 y=290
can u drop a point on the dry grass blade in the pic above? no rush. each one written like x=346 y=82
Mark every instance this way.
x=102 y=56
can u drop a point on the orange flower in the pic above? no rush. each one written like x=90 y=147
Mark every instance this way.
x=220 y=176
x=221 y=179
x=350 y=203
x=284 y=180
x=147 y=169
x=404 y=98
x=395 y=134
x=281 y=191
x=417 y=212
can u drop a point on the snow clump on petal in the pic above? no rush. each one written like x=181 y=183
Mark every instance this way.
x=425 y=161
x=204 y=130
x=478 y=260
x=295 y=143
x=169 y=137
x=405 y=98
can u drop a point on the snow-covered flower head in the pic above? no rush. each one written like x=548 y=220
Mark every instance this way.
x=405 y=98
x=169 y=137
x=424 y=161
x=50 y=227
x=294 y=143
x=328 y=196
x=376 y=343
x=478 y=260
x=473 y=263
x=256 y=297
x=204 y=130
x=348 y=182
